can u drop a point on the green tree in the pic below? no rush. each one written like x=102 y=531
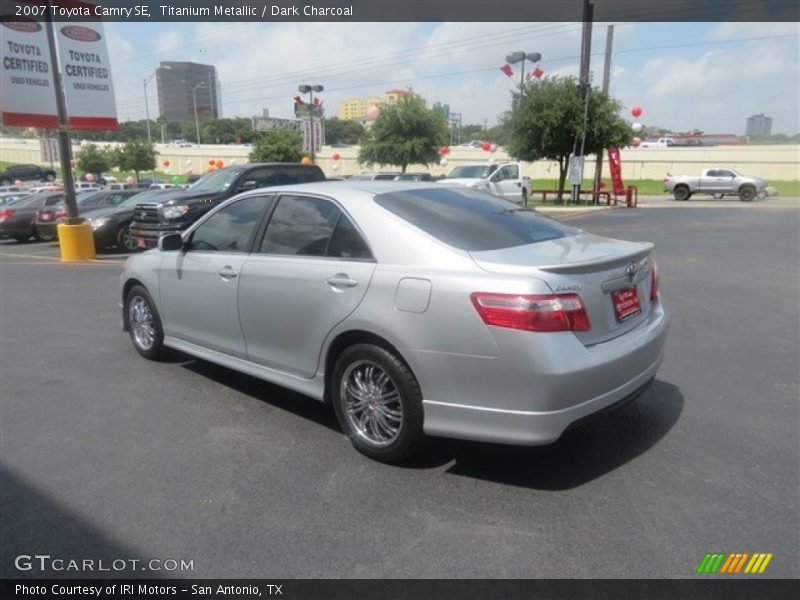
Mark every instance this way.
x=227 y=131
x=93 y=159
x=136 y=156
x=405 y=133
x=278 y=146
x=549 y=117
x=338 y=131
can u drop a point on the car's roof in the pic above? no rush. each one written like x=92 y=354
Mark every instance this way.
x=369 y=186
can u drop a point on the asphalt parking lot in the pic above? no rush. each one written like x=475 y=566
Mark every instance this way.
x=106 y=455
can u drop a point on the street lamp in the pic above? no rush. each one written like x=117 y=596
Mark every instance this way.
x=521 y=57
x=145 y=81
x=310 y=89
x=193 y=87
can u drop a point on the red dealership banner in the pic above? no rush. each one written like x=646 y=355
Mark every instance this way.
x=615 y=166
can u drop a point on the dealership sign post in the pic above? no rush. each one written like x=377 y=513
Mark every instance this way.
x=57 y=75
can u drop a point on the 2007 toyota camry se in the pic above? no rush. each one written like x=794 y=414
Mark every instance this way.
x=414 y=309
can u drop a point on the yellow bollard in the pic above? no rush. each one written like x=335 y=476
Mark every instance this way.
x=76 y=242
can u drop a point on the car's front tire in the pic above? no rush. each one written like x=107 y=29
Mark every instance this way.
x=125 y=240
x=144 y=324
x=747 y=193
x=378 y=403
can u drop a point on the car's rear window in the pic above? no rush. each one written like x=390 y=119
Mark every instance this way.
x=470 y=220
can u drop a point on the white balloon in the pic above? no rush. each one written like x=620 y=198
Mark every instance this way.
x=443 y=161
x=335 y=167
x=188 y=162
x=637 y=127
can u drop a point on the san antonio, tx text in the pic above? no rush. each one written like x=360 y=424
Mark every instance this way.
x=129 y=589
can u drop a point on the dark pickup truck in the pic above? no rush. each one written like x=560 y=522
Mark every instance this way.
x=177 y=210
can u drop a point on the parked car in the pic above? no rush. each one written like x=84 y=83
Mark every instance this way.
x=663 y=142
x=9 y=197
x=375 y=176
x=17 y=219
x=12 y=188
x=26 y=173
x=47 y=217
x=111 y=225
x=414 y=177
x=715 y=181
x=413 y=309
x=179 y=210
x=160 y=186
x=500 y=179
x=82 y=186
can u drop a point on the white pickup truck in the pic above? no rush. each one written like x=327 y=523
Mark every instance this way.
x=664 y=142
x=716 y=182
x=500 y=179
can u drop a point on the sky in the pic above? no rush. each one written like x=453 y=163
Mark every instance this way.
x=708 y=76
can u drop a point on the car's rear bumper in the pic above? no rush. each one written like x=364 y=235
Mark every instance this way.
x=531 y=398
x=47 y=228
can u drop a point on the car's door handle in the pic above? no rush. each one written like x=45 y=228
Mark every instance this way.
x=228 y=272
x=340 y=281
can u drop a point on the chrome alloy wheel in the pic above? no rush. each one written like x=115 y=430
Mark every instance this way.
x=140 y=318
x=372 y=403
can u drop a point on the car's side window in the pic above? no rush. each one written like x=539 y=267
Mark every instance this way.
x=53 y=200
x=712 y=173
x=230 y=229
x=512 y=172
x=724 y=173
x=346 y=241
x=300 y=226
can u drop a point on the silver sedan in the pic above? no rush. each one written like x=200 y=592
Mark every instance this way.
x=414 y=309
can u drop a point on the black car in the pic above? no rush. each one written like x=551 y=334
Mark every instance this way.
x=179 y=208
x=17 y=218
x=47 y=217
x=26 y=173
x=112 y=225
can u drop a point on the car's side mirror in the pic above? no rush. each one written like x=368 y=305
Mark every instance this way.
x=248 y=185
x=170 y=242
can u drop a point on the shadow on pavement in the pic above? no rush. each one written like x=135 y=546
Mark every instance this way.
x=581 y=455
x=35 y=523
x=277 y=396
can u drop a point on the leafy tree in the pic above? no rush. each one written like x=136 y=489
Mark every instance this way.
x=136 y=156
x=338 y=131
x=278 y=146
x=93 y=159
x=405 y=133
x=550 y=115
x=227 y=131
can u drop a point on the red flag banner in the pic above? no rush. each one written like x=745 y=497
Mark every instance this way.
x=507 y=70
x=536 y=72
x=615 y=166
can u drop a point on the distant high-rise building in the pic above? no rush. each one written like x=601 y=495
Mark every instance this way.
x=758 y=125
x=355 y=109
x=175 y=81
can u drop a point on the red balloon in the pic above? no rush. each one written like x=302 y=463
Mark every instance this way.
x=444 y=150
x=636 y=111
x=211 y=161
x=486 y=146
x=602 y=184
x=336 y=156
x=165 y=163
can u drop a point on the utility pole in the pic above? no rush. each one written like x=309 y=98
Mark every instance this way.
x=598 y=168
x=576 y=166
x=64 y=145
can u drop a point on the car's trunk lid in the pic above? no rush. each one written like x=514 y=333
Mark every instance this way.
x=598 y=269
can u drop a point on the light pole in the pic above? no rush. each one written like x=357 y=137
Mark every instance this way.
x=310 y=89
x=145 y=81
x=193 y=87
x=521 y=57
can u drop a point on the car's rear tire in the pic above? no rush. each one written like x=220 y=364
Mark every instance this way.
x=40 y=236
x=125 y=240
x=378 y=403
x=144 y=324
x=747 y=193
x=681 y=193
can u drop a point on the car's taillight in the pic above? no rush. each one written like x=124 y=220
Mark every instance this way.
x=654 y=284
x=553 y=312
x=60 y=214
x=5 y=213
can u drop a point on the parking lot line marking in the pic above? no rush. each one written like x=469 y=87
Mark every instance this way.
x=55 y=259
